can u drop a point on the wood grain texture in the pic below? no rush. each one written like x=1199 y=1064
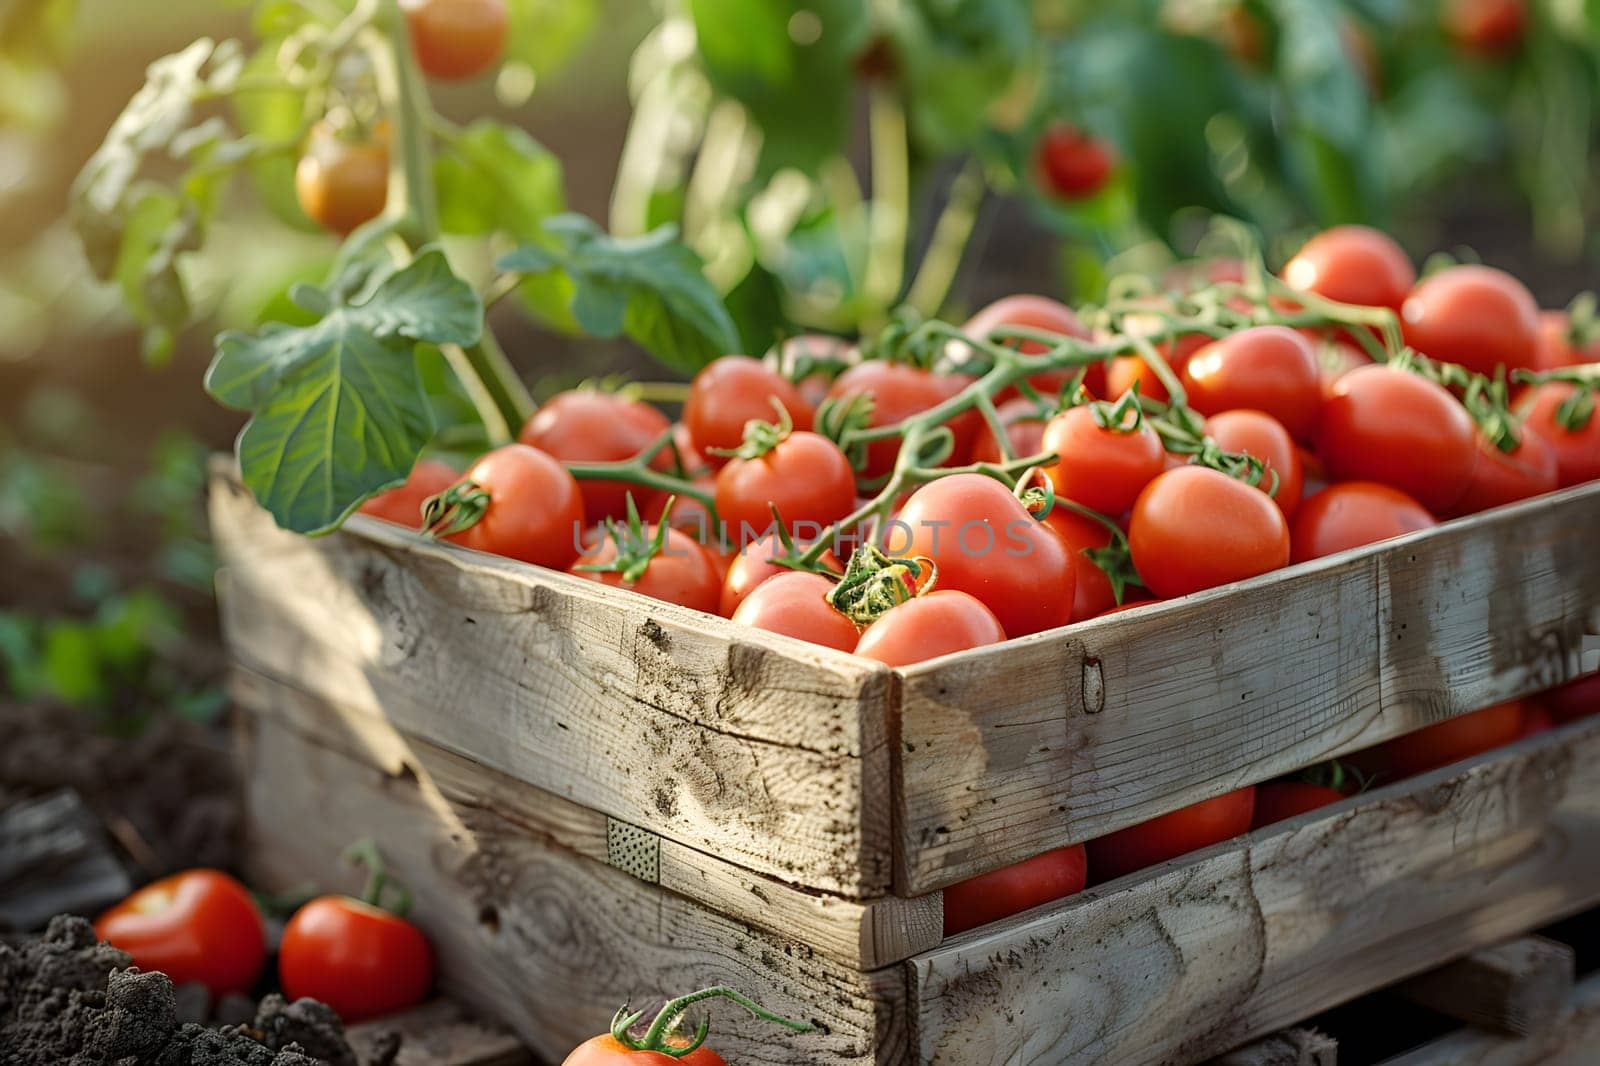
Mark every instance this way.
x=1040 y=742
x=1216 y=949
x=1570 y=1040
x=1518 y=987
x=763 y=750
x=1292 y=1047
x=862 y=934
x=540 y=938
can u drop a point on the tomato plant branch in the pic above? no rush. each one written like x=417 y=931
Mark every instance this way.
x=948 y=245
x=638 y=471
x=891 y=200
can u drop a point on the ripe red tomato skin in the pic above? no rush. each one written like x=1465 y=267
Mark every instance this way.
x=1555 y=347
x=806 y=476
x=1444 y=742
x=1577 y=451
x=1388 y=425
x=753 y=566
x=1353 y=265
x=1073 y=165
x=1092 y=591
x=1263 y=437
x=1264 y=368
x=402 y=504
x=936 y=623
x=1043 y=313
x=1194 y=528
x=898 y=392
x=1013 y=889
x=1124 y=370
x=1352 y=514
x=1576 y=699
x=1535 y=720
x=360 y=960
x=1278 y=801
x=986 y=544
x=795 y=605
x=731 y=391
x=1505 y=477
x=604 y=1050
x=1102 y=469
x=1474 y=315
x=1489 y=27
x=198 y=925
x=590 y=426
x=683 y=573
x=535 y=512
x=456 y=39
x=341 y=182
x=1024 y=430
x=1170 y=835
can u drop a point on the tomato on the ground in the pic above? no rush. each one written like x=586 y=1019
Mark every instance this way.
x=899 y=391
x=1443 y=743
x=1577 y=450
x=1353 y=265
x=456 y=39
x=732 y=391
x=795 y=604
x=1041 y=313
x=402 y=504
x=805 y=476
x=1264 y=368
x=1103 y=468
x=1194 y=528
x=533 y=510
x=1501 y=477
x=1477 y=316
x=361 y=960
x=1351 y=514
x=1260 y=436
x=753 y=565
x=924 y=627
x=1170 y=835
x=198 y=925
x=1278 y=801
x=1013 y=889
x=1074 y=165
x=342 y=179
x=1385 y=424
x=682 y=573
x=590 y=426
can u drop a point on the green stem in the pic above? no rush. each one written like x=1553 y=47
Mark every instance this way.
x=948 y=245
x=891 y=201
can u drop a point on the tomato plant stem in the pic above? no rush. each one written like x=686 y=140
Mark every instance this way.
x=891 y=201
x=948 y=245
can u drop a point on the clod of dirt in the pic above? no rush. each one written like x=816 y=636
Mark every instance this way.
x=305 y=1023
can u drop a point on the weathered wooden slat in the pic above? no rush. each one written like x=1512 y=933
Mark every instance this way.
x=1518 y=987
x=439 y=1033
x=1570 y=1040
x=760 y=749
x=545 y=940
x=1006 y=752
x=1216 y=949
x=1292 y=1047
x=862 y=934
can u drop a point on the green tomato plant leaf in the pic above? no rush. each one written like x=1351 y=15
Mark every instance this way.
x=545 y=34
x=496 y=178
x=339 y=409
x=956 y=57
x=650 y=288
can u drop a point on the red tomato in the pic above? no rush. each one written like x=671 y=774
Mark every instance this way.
x=403 y=505
x=1278 y=801
x=1194 y=528
x=1264 y=368
x=806 y=476
x=1444 y=742
x=589 y=426
x=1124 y=370
x=1263 y=437
x=1577 y=451
x=683 y=573
x=753 y=565
x=1392 y=426
x=1103 y=469
x=731 y=391
x=1073 y=165
x=342 y=181
x=199 y=925
x=1576 y=699
x=1039 y=312
x=1350 y=514
x=1556 y=347
x=534 y=513
x=1170 y=835
x=936 y=623
x=455 y=39
x=1535 y=720
x=688 y=513
x=1013 y=889
x=359 y=959
x=1506 y=477
x=795 y=604
x=1353 y=265
x=1477 y=316
x=1092 y=593
x=605 y=1051
x=1490 y=27
x=1024 y=431
x=1336 y=359
x=898 y=392
x=986 y=544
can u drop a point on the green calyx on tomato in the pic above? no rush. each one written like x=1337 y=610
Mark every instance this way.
x=1115 y=560
x=875 y=582
x=760 y=438
x=663 y=1038
x=636 y=546
x=457 y=508
x=364 y=854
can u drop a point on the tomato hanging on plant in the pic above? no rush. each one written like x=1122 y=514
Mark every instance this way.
x=199 y=925
x=456 y=39
x=1073 y=165
x=342 y=179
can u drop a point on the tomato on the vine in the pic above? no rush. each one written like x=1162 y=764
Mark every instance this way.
x=342 y=179
x=402 y=504
x=1577 y=446
x=1024 y=432
x=1093 y=593
x=1124 y=371
x=456 y=39
x=199 y=925
x=590 y=426
x=664 y=564
x=1477 y=316
x=1041 y=313
x=1385 y=424
x=1278 y=801
x=1353 y=265
x=1260 y=436
x=924 y=627
x=1074 y=165
x=899 y=391
x=1444 y=742
x=795 y=604
x=1557 y=345
x=527 y=507
x=1194 y=528
x=1013 y=889
x=985 y=543
x=1500 y=477
x=1490 y=27
x=1102 y=467
x=358 y=958
x=1170 y=835
x=732 y=391
x=804 y=475
x=1351 y=514
x=1264 y=368
x=754 y=565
